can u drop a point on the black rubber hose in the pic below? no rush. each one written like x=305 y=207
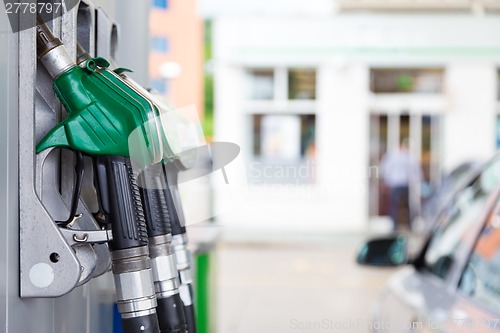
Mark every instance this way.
x=171 y=315
x=143 y=324
x=190 y=318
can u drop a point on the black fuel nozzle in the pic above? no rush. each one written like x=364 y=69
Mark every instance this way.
x=171 y=315
x=183 y=255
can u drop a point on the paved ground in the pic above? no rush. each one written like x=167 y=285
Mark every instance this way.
x=295 y=287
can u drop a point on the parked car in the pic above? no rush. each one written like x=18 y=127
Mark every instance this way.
x=440 y=196
x=452 y=284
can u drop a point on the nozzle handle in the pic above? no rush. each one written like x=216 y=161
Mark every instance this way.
x=172 y=195
x=120 y=200
x=154 y=194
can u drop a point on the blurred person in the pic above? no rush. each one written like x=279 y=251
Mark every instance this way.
x=400 y=171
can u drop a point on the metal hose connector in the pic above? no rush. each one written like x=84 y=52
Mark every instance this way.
x=133 y=281
x=163 y=264
x=51 y=51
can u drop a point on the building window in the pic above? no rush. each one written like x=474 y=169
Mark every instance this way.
x=260 y=84
x=160 y=44
x=160 y=4
x=301 y=84
x=280 y=103
x=283 y=137
x=283 y=149
x=407 y=80
x=160 y=85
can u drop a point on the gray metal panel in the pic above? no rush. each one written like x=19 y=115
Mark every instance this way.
x=133 y=38
x=8 y=167
x=16 y=315
x=88 y=308
x=4 y=135
x=80 y=311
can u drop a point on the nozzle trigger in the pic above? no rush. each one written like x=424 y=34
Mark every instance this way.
x=79 y=170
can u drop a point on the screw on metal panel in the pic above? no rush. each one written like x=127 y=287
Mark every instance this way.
x=54 y=257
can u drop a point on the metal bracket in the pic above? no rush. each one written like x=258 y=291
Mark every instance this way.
x=53 y=260
x=79 y=237
x=48 y=265
x=91 y=250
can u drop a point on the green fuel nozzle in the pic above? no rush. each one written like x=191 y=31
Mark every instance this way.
x=106 y=117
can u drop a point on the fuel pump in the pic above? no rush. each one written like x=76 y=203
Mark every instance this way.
x=102 y=112
x=155 y=193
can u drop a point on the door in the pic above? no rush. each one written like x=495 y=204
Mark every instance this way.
x=387 y=131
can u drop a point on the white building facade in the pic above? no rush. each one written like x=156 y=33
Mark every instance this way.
x=314 y=101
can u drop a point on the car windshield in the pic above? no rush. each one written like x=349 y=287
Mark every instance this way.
x=480 y=277
x=467 y=208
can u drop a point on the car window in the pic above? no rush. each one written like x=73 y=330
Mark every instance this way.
x=480 y=277
x=462 y=213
